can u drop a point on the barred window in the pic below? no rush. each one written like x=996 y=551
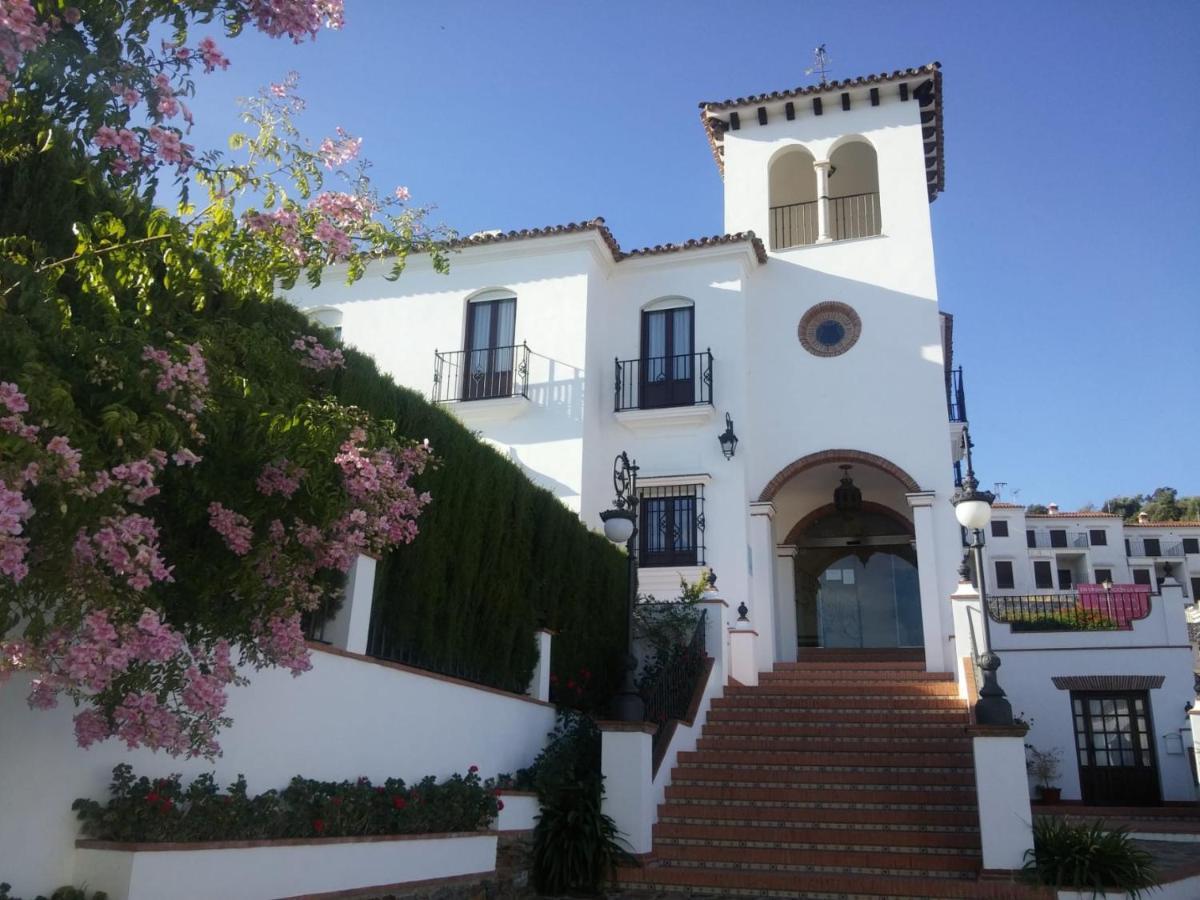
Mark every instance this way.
x=671 y=530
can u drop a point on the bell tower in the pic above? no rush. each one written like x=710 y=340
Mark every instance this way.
x=831 y=162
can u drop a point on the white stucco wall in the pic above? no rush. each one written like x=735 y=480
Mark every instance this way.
x=344 y=718
x=1155 y=646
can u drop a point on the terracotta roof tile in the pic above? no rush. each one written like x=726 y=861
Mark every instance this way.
x=716 y=127
x=1177 y=523
x=1007 y=506
x=759 y=250
x=597 y=224
x=1095 y=514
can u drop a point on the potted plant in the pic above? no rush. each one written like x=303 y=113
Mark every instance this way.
x=1045 y=766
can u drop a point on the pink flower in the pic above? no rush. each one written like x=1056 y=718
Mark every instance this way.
x=282 y=478
x=233 y=527
x=297 y=19
x=316 y=356
x=343 y=150
x=402 y=194
x=212 y=57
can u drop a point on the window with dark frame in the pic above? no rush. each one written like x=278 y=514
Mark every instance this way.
x=1030 y=538
x=671 y=526
x=1141 y=576
x=1058 y=537
x=1043 y=575
x=1004 y=575
x=1098 y=537
x=1152 y=547
x=999 y=528
x=1064 y=579
x=1103 y=575
x=1191 y=545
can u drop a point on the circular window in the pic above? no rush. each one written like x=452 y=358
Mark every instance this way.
x=829 y=329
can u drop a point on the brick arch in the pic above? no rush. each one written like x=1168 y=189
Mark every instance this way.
x=857 y=457
x=821 y=512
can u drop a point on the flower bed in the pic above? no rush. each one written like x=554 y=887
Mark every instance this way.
x=145 y=811
x=157 y=838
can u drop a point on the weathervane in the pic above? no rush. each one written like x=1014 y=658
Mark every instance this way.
x=820 y=65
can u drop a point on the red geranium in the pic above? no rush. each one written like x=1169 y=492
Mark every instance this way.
x=398 y=802
x=318 y=826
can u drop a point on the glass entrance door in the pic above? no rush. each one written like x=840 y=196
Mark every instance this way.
x=871 y=603
x=1114 y=745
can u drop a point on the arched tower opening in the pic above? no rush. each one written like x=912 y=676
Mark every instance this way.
x=854 y=210
x=792 y=191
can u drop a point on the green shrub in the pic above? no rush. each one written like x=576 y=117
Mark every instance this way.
x=575 y=846
x=145 y=810
x=1087 y=857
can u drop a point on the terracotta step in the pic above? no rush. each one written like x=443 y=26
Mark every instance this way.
x=820 y=777
x=876 y=720
x=853 y=743
x=893 y=797
x=856 y=857
x=858 y=818
x=882 y=759
x=814 y=835
x=733 y=882
x=833 y=688
x=724 y=724
x=770 y=700
x=866 y=680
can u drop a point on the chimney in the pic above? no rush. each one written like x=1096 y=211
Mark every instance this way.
x=1143 y=518
x=1052 y=509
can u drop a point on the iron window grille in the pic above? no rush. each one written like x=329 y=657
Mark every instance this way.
x=671 y=530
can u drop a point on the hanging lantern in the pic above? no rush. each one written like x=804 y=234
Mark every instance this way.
x=847 y=498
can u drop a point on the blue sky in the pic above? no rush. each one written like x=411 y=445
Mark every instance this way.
x=1064 y=239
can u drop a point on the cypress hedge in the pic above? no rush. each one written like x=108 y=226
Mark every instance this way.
x=497 y=557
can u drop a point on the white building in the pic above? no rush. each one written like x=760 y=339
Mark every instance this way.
x=822 y=341
x=812 y=331
x=1057 y=551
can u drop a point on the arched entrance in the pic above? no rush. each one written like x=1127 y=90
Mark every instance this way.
x=856 y=579
x=847 y=572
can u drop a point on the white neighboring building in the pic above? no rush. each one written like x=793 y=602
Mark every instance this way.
x=1056 y=551
x=812 y=327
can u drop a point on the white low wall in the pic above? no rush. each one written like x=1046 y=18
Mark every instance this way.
x=265 y=870
x=345 y=718
x=520 y=812
x=1184 y=889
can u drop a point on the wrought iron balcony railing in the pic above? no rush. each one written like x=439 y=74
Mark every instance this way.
x=1057 y=538
x=793 y=225
x=956 y=397
x=1153 y=547
x=1090 y=608
x=655 y=382
x=854 y=216
x=481 y=374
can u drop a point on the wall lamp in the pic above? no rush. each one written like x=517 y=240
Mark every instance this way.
x=728 y=439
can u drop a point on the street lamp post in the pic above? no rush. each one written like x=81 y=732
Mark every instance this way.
x=973 y=509
x=620 y=527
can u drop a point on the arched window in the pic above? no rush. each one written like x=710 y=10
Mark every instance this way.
x=853 y=191
x=793 y=199
x=489 y=342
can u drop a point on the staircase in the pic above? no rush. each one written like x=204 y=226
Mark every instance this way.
x=847 y=774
